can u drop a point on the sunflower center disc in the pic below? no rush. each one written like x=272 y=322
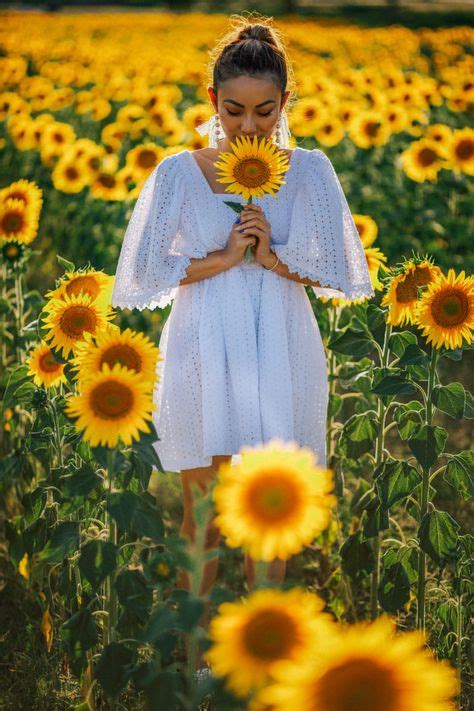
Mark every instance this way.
x=465 y=149
x=407 y=290
x=78 y=319
x=123 y=354
x=111 y=400
x=146 y=159
x=357 y=684
x=48 y=364
x=450 y=309
x=12 y=222
x=85 y=284
x=427 y=156
x=251 y=172
x=270 y=635
x=272 y=498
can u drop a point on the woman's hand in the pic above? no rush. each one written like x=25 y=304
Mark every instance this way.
x=253 y=222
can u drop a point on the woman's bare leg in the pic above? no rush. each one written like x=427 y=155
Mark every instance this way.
x=203 y=477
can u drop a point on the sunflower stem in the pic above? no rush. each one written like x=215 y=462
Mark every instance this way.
x=379 y=456
x=424 y=502
x=19 y=315
x=111 y=601
x=248 y=251
x=261 y=568
x=333 y=319
x=4 y=319
x=459 y=644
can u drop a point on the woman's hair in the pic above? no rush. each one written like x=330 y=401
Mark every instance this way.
x=253 y=49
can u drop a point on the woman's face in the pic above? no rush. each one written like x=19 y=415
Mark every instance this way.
x=247 y=106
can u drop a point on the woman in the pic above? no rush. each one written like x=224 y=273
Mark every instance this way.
x=243 y=359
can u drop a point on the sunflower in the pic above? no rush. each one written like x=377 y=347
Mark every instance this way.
x=12 y=252
x=69 y=318
x=369 y=128
x=365 y=667
x=252 y=169
x=445 y=312
x=461 y=154
x=27 y=191
x=18 y=222
x=129 y=348
x=422 y=160
x=367 y=229
x=375 y=259
x=107 y=186
x=252 y=636
x=95 y=284
x=114 y=403
x=47 y=371
x=273 y=502
x=402 y=294
x=329 y=131
x=69 y=176
x=143 y=158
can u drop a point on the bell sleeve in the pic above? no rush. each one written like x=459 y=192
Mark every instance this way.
x=323 y=243
x=151 y=262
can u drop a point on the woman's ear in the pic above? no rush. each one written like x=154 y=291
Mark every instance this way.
x=284 y=100
x=212 y=96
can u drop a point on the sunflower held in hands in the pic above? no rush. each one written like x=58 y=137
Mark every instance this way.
x=252 y=169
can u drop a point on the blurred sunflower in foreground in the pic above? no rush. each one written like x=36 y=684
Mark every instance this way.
x=364 y=666
x=252 y=636
x=273 y=502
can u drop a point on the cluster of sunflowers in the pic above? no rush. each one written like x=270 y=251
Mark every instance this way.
x=417 y=292
x=277 y=649
x=115 y=371
x=366 y=86
x=281 y=652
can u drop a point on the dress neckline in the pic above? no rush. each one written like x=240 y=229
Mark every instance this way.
x=228 y=195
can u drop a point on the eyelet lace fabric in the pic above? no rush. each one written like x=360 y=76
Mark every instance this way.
x=243 y=360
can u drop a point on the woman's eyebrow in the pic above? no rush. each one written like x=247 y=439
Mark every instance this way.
x=231 y=101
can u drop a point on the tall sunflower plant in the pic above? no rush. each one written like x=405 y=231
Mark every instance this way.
x=251 y=169
x=389 y=449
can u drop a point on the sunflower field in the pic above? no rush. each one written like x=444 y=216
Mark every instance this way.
x=376 y=605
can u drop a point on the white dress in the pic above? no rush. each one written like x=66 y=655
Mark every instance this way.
x=243 y=359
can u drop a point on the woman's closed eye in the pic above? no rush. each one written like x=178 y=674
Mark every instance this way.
x=232 y=114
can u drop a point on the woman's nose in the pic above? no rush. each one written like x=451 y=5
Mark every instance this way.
x=248 y=127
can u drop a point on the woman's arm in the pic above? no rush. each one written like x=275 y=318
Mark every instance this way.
x=214 y=263
x=283 y=270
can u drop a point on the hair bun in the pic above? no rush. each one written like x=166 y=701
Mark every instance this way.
x=257 y=32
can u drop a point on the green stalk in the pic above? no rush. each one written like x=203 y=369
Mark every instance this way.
x=19 y=314
x=3 y=362
x=379 y=456
x=111 y=597
x=57 y=431
x=248 y=251
x=459 y=647
x=425 y=488
x=333 y=314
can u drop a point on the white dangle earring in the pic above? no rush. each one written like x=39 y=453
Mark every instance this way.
x=214 y=135
x=278 y=132
x=282 y=134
